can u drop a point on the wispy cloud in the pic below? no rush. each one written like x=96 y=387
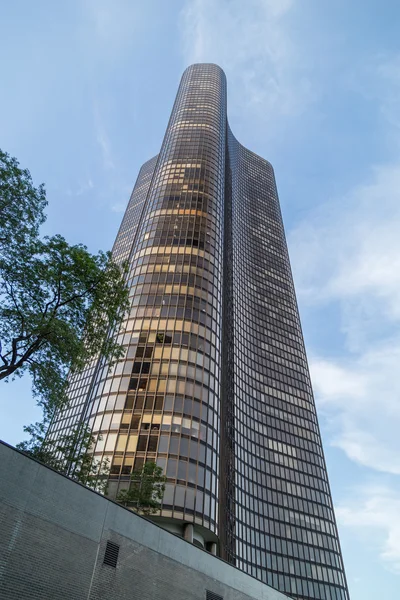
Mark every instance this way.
x=112 y=25
x=114 y=188
x=350 y=250
x=360 y=396
x=81 y=188
x=388 y=71
x=346 y=254
x=85 y=187
x=374 y=513
x=103 y=141
x=118 y=207
x=256 y=49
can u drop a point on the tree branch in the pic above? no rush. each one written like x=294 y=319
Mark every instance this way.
x=10 y=290
x=5 y=361
x=5 y=371
x=77 y=296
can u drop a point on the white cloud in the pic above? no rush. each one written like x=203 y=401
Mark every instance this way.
x=112 y=26
x=389 y=73
x=334 y=382
x=360 y=395
x=119 y=207
x=114 y=185
x=103 y=141
x=85 y=187
x=255 y=47
x=346 y=254
x=374 y=512
x=82 y=188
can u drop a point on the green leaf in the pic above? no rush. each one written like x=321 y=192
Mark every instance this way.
x=146 y=490
x=58 y=303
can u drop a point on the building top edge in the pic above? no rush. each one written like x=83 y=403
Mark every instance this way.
x=250 y=151
x=198 y=65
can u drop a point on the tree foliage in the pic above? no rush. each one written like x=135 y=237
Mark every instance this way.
x=68 y=454
x=21 y=206
x=146 y=490
x=58 y=302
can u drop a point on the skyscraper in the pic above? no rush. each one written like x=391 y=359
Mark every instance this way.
x=215 y=385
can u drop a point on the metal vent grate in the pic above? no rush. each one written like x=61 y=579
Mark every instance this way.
x=111 y=554
x=213 y=596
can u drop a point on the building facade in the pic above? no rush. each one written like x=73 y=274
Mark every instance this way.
x=215 y=385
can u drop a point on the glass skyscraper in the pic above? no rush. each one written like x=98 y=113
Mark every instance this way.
x=214 y=385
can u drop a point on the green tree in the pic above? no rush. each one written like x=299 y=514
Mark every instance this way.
x=68 y=454
x=146 y=490
x=21 y=206
x=58 y=303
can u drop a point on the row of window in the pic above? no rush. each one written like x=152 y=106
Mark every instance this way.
x=262 y=281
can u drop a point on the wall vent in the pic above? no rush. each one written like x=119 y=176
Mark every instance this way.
x=111 y=554
x=213 y=596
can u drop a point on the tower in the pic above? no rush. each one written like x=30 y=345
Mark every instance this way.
x=214 y=385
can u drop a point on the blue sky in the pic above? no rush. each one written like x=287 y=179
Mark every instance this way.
x=314 y=87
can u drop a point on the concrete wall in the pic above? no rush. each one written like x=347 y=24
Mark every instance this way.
x=53 y=534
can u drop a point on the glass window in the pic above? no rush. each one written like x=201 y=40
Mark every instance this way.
x=132 y=443
x=171 y=467
x=121 y=444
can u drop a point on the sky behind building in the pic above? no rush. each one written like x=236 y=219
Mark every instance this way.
x=313 y=87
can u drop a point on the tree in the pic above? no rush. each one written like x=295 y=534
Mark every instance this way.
x=58 y=303
x=69 y=454
x=146 y=490
x=21 y=206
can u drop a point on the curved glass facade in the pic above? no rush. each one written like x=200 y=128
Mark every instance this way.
x=284 y=526
x=214 y=385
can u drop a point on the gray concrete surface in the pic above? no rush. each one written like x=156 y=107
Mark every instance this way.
x=53 y=534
